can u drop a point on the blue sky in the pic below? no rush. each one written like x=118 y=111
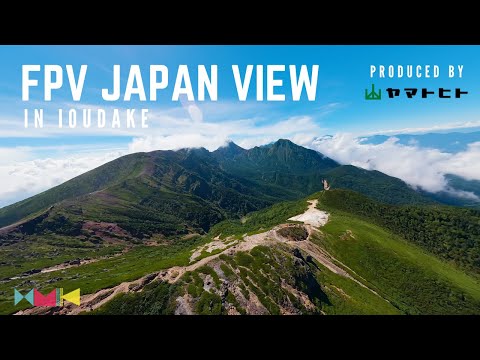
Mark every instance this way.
x=343 y=75
x=339 y=107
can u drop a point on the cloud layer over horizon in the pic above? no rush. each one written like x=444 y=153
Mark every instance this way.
x=419 y=167
x=24 y=173
x=423 y=168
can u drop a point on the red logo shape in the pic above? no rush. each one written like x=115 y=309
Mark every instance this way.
x=45 y=300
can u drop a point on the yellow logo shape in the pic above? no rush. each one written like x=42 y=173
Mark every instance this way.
x=73 y=297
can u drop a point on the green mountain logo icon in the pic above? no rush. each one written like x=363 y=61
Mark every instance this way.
x=372 y=95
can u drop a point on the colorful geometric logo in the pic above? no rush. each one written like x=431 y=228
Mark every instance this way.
x=54 y=298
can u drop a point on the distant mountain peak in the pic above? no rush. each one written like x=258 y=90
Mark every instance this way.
x=284 y=142
x=230 y=149
x=230 y=177
x=194 y=150
x=231 y=145
x=278 y=143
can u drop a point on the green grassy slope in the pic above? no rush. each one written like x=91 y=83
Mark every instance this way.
x=229 y=182
x=256 y=274
x=413 y=280
x=375 y=185
x=105 y=273
x=114 y=172
x=296 y=169
x=451 y=233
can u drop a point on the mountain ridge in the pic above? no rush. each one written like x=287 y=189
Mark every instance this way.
x=260 y=176
x=324 y=254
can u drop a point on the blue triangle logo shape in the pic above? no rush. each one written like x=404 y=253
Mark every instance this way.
x=19 y=297
x=29 y=297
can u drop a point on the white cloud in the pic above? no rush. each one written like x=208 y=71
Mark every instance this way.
x=330 y=107
x=176 y=141
x=161 y=121
x=433 y=128
x=247 y=133
x=419 y=167
x=185 y=126
x=195 y=113
x=9 y=155
x=169 y=129
x=21 y=179
x=225 y=118
x=300 y=138
x=466 y=163
x=462 y=194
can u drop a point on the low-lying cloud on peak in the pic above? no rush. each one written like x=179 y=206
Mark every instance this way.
x=24 y=178
x=23 y=174
x=422 y=168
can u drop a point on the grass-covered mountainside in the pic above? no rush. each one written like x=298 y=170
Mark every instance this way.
x=265 y=264
x=386 y=272
x=300 y=170
x=208 y=232
x=177 y=192
x=451 y=233
x=107 y=175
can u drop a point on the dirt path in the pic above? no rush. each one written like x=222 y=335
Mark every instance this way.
x=93 y=301
x=62 y=266
x=214 y=245
x=312 y=218
x=66 y=265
